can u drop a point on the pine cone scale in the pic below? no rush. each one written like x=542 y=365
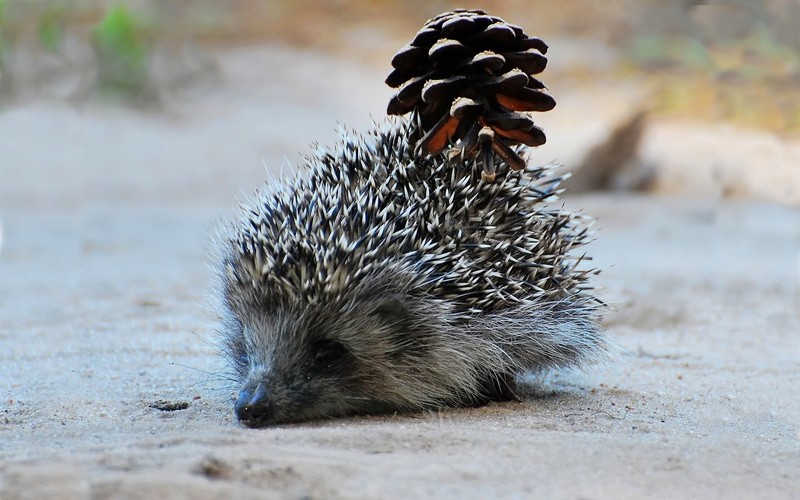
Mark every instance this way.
x=446 y=89
x=533 y=43
x=449 y=51
x=458 y=27
x=534 y=83
x=411 y=91
x=396 y=107
x=409 y=57
x=529 y=61
x=532 y=137
x=425 y=37
x=437 y=138
x=508 y=82
x=485 y=62
x=498 y=37
x=464 y=105
x=508 y=155
x=398 y=76
x=525 y=99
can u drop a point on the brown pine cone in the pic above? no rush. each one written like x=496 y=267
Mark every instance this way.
x=467 y=75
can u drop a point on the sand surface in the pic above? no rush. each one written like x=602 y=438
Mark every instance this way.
x=106 y=217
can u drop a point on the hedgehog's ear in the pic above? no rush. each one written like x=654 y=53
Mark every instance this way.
x=393 y=312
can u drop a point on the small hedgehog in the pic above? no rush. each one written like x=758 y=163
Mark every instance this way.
x=397 y=276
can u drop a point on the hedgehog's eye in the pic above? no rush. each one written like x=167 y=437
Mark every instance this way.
x=240 y=360
x=393 y=312
x=327 y=354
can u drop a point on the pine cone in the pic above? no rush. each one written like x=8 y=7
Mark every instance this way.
x=467 y=75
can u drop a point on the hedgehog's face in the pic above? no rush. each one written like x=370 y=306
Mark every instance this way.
x=320 y=361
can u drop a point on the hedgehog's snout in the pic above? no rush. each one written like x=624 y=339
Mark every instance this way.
x=254 y=406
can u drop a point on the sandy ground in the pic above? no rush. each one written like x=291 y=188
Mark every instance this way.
x=106 y=216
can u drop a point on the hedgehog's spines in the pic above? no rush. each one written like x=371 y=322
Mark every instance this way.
x=449 y=228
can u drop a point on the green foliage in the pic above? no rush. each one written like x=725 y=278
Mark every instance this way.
x=119 y=35
x=123 y=51
x=51 y=27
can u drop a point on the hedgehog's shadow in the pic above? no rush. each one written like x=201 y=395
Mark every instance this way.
x=551 y=384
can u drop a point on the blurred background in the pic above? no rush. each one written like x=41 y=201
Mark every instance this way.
x=191 y=99
x=129 y=128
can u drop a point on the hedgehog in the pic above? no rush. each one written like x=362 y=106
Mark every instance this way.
x=420 y=265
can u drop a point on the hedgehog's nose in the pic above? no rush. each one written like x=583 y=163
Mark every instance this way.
x=253 y=405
